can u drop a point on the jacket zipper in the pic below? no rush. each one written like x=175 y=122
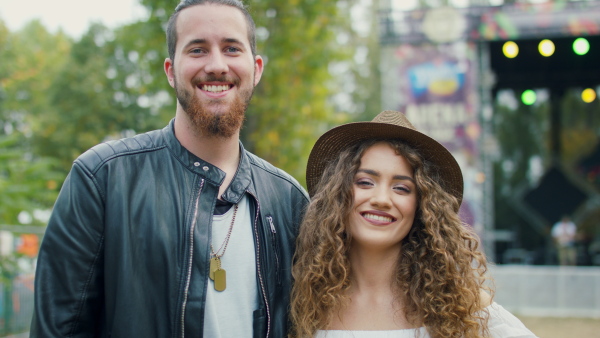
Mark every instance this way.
x=258 y=268
x=189 y=268
x=275 y=247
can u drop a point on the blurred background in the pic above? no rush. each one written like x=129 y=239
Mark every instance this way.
x=509 y=87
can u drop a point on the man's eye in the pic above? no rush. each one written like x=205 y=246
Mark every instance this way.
x=232 y=49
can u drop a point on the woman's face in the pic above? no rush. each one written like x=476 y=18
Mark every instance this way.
x=385 y=199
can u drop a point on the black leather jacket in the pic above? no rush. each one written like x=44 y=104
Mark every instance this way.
x=126 y=250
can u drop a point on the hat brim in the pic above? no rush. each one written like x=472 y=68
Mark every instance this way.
x=330 y=144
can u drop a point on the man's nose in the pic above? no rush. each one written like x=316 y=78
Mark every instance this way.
x=216 y=64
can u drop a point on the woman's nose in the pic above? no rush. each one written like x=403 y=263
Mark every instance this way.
x=381 y=197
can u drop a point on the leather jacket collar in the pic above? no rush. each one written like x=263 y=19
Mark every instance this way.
x=241 y=181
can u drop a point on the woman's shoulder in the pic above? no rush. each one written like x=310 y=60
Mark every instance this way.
x=504 y=324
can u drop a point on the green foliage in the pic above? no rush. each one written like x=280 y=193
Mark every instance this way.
x=291 y=105
x=30 y=59
x=66 y=96
x=96 y=96
x=27 y=182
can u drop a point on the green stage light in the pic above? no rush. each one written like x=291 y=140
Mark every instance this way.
x=546 y=47
x=581 y=46
x=510 y=49
x=528 y=97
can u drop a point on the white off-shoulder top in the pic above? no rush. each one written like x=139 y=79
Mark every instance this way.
x=502 y=324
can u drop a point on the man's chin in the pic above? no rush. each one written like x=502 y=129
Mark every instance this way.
x=215 y=118
x=217 y=124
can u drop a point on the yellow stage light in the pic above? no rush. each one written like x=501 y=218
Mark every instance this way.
x=588 y=95
x=510 y=49
x=546 y=47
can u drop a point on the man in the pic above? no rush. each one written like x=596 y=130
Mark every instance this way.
x=564 y=232
x=180 y=231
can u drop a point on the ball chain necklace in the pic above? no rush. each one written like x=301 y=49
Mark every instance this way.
x=218 y=274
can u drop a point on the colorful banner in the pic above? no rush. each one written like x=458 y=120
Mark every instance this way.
x=433 y=85
x=506 y=22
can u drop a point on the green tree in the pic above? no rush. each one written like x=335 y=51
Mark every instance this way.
x=97 y=95
x=31 y=58
x=27 y=181
x=299 y=40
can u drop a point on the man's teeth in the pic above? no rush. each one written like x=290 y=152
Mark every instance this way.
x=215 y=89
x=378 y=218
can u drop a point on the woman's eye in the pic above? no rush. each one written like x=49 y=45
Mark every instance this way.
x=402 y=188
x=364 y=183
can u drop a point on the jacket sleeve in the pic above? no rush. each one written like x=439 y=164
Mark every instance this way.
x=69 y=275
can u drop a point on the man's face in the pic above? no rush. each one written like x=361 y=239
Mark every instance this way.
x=214 y=72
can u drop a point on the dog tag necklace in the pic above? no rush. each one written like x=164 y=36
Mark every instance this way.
x=218 y=274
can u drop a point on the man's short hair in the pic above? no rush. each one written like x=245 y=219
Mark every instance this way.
x=172 y=24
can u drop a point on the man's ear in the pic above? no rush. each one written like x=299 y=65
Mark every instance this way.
x=258 y=69
x=169 y=72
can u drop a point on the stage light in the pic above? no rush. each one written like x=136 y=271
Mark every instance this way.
x=588 y=95
x=546 y=47
x=510 y=49
x=581 y=46
x=528 y=97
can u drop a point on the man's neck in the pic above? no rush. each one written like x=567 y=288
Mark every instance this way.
x=224 y=153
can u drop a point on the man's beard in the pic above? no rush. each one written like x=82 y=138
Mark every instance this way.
x=207 y=122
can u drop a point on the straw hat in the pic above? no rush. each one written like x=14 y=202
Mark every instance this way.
x=387 y=125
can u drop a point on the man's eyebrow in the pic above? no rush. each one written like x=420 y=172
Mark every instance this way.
x=376 y=174
x=232 y=40
x=203 y=41
x=195 y=42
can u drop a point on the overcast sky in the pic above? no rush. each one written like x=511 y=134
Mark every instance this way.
x=73 y=16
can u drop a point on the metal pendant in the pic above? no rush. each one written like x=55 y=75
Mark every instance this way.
x=215 y=263
x=220 y=279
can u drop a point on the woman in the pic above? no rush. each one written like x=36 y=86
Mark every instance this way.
x=382 y=251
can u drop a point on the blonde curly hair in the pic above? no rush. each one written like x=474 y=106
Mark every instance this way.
x=439 y=273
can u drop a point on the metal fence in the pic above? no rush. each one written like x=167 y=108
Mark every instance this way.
x=548 y=291
x=18 y=246
x=16 y=305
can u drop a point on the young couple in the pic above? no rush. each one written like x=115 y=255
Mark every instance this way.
x=180 y=232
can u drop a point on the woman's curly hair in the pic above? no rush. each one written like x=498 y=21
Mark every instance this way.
x=439 y=273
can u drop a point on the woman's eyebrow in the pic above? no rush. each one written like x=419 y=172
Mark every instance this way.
x=369 y=171
x=404 y=178
x=376 y=174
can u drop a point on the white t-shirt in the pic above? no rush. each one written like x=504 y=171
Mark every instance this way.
x=229 y=313
x=502 y=324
